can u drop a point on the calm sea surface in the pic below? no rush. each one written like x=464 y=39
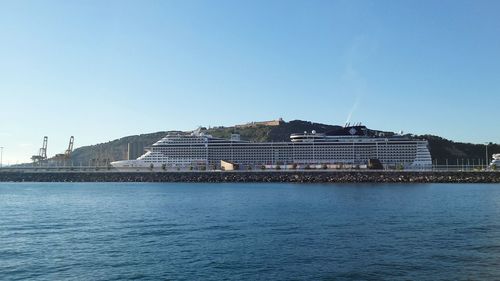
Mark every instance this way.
x=109 y=231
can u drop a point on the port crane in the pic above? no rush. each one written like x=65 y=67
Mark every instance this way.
x=42 y=152
x=63 y=157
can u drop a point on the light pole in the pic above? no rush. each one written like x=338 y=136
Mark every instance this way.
x=486 y=163
x=1 y=156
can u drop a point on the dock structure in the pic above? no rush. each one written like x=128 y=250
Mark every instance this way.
x=107 y=174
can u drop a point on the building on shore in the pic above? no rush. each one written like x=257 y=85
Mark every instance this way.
x=135 y=150
x=276 y=122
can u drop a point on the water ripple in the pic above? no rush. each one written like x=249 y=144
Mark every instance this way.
x=249 y=232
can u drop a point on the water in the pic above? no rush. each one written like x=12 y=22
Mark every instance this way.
x=104 y=231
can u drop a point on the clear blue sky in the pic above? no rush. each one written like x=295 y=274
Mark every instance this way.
x=100 y=70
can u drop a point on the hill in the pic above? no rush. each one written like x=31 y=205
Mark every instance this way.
x=441 y=149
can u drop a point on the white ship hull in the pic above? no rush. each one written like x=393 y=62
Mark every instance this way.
x=198 y=151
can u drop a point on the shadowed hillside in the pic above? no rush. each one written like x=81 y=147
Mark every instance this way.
x=110 y=151
x=271 y=133
x=442 y=149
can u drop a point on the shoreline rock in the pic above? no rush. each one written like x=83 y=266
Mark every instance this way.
x=274 y=176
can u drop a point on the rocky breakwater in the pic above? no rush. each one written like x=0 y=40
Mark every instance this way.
x=254 y=176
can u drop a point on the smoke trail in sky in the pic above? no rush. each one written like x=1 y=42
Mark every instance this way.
x=353 y=108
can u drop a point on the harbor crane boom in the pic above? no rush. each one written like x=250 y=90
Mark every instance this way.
x=68 y=151
x=42 y=152
x=62 y=158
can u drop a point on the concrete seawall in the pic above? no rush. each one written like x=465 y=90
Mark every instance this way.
x=254 y=176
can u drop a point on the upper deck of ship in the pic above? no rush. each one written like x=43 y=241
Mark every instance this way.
x=347 y=134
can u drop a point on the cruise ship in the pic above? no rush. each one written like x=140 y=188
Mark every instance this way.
x=349 y=146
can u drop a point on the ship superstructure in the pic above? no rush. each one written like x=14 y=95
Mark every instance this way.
x=350 y=145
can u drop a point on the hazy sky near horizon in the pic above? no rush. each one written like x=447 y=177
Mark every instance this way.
x=100 y=70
